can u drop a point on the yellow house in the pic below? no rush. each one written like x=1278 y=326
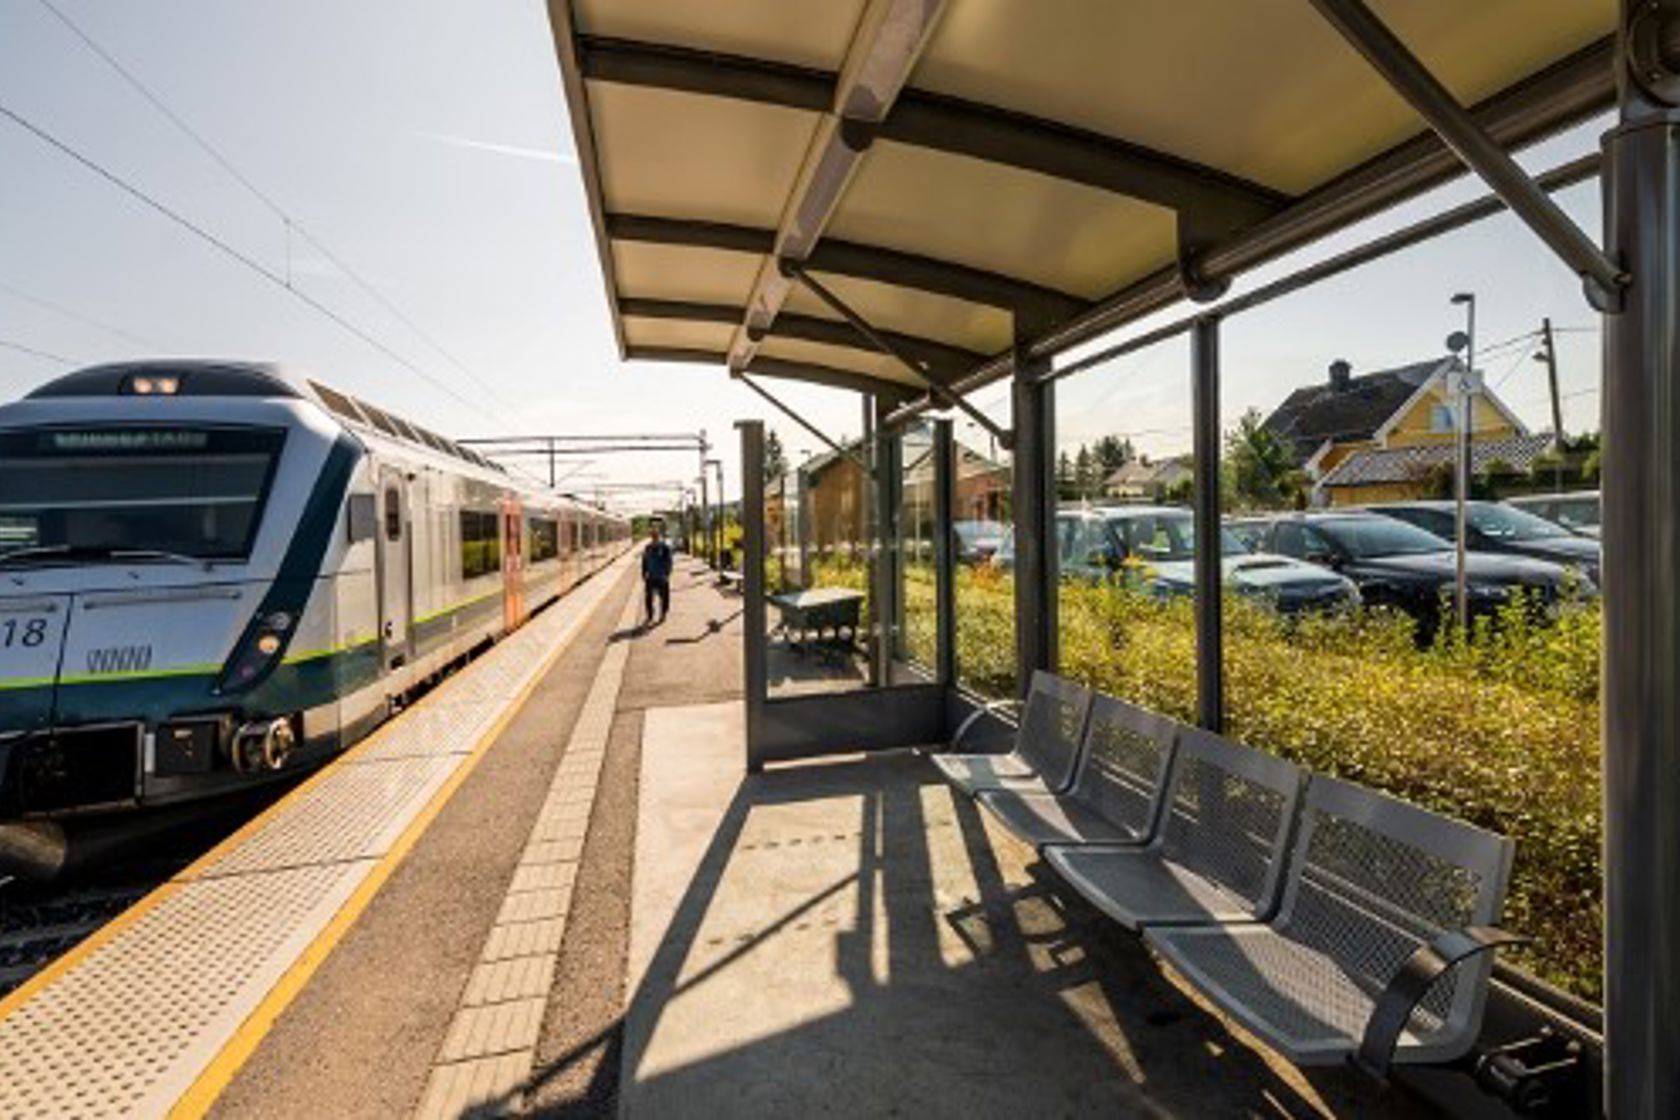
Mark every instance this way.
x=1380 y=436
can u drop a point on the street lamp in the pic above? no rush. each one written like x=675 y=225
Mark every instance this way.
x=718 y=526
x=1465 y=384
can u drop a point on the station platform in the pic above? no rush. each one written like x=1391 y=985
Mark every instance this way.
x=550 y=888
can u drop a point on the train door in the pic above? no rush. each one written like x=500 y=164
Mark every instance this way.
x=396 y=569
x=513 y=565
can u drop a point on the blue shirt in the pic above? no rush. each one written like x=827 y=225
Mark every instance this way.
x=656 y=560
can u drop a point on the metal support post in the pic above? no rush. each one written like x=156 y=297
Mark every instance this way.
x=945 y=553
x=1641 y=567
x=1209 y=569
x=1034 y=517
x=704 y=543
x=1601 y=276
x=754 y=645
x=885 y=590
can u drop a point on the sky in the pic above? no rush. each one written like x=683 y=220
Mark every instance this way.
x=425 y=144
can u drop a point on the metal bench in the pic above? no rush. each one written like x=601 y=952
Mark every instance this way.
x=1380 y=950
x=1219 y=850
x=1047 y=743
x=1116 y=793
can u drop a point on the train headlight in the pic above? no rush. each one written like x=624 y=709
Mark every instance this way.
x=258 y=653
x=144 y=386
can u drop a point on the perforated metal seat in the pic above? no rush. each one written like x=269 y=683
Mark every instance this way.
x=1219 y=851
x=1371 y=882
x=1116 y=793
x=1047 y=744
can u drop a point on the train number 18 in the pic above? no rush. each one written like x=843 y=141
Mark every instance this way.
x=27 y=632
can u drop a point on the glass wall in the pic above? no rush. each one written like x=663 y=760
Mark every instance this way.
x=916 y=637
x=1340 y=417
x=816 y=523
x=981 y=521
x=1124 y=528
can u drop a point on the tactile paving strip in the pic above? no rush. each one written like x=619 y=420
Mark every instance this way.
x=131 y=1026
x=490 y=1049
x=357 y=815
x=127 y=1029
x=431 y=730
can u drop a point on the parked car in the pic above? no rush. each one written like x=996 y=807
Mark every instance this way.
x=1398 y=565
x=1577 y=511
x=1155 y=546
x=1497 y=527
x=977 y=541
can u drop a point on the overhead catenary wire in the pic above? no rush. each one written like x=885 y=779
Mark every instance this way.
x=288 y=221
x=79 y=317
x=34 y=352
x=233 y=253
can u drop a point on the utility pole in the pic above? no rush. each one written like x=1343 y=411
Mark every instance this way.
x=1466 y=383
x=1549 y=356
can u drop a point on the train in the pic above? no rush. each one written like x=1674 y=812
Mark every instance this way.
x=214 y=574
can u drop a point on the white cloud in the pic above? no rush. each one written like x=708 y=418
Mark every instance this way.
x=539 y=155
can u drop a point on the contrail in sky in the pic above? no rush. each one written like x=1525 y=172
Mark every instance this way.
x=540 y=155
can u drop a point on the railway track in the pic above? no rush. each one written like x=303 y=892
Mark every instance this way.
x=39 y=922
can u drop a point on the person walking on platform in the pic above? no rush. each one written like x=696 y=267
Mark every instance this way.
x=656 y=575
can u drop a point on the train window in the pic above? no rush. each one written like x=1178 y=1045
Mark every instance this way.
x=362 y=517
x=545 y=539
x=193 y=491
x=393 y=514
x=481 y=543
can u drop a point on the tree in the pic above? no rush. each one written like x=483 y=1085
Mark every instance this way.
x=1083 y=473
x=1112 y=453
x=1263 y=472
x=1066 y=489
x=775 y=458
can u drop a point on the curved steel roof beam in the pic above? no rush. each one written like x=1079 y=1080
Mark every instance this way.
x=944 y=361
x=1033 y=302
x=1218 y=201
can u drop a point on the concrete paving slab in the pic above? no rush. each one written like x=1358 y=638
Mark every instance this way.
x=851 y=938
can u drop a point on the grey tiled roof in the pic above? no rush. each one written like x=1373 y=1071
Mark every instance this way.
x=1408 y=464
x=1314 y=413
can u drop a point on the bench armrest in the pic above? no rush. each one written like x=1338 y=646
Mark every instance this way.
x=975 y=716
x=1412 y=982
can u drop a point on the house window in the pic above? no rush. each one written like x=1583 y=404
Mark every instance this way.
x=1441 y=418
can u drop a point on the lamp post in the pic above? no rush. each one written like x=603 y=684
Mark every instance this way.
x=1465 y=384
x=716 y=543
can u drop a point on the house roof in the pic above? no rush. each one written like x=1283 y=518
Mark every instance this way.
x=1313 y=414
x=967 y=176
x=1409 y=464
x=1139 y=472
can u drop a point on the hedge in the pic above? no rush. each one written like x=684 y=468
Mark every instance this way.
x=1500 y=731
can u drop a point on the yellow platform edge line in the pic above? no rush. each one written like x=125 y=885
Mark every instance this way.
x=225 y=1066
x=111 y=929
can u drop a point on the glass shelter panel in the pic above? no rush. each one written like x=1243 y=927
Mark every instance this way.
x=1125 y=533
x=916 y=635
x=982 y=483
x=1340 y=419
x=817 y=571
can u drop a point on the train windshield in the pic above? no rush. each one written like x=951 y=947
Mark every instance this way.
x=69 y=494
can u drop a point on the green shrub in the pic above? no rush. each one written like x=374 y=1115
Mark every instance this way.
x=1500 y=731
